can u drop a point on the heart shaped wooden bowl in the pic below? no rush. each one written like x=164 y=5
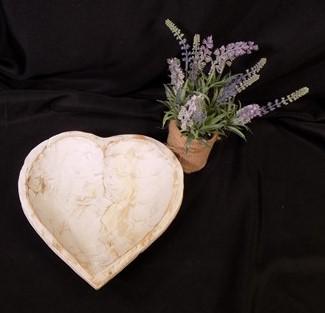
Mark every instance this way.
x=99 y=202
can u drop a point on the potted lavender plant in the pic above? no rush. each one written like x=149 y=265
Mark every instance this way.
x=201 y=97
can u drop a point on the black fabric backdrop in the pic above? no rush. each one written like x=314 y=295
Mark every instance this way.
x=250 y=236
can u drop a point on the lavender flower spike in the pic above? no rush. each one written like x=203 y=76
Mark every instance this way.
x=251 y=76
x=181 y=40
x=247 y=113
x=201 y=56
x=176 y=73
x=192 y=112
x=226 y=54
x=271 y=106
x=244 y=84
x=241 y=81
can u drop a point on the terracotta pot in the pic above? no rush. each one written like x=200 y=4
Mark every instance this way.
x=195 y=157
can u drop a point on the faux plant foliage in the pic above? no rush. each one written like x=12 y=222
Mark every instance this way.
x=202 y=94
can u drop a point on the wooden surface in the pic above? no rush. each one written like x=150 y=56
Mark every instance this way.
x=99 y=202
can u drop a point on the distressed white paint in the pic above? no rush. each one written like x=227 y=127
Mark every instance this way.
x=99 y=202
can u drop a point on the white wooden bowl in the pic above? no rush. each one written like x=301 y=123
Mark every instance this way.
x=99 y=202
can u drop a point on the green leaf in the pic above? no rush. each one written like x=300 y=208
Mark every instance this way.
x=168 y=115
x=183 y=91
x=236 y=131
x=170 y=94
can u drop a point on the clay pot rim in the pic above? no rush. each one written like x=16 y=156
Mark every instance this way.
x=196 y=142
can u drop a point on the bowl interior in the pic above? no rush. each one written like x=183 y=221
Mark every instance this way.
x=101 y=197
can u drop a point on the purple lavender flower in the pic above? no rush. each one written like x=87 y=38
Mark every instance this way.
x=247 y=113
x=271 y=106
x=192 y=112
x=230 y=91
x=199 y=114
x=185 y=52
x=206 y=49
x=176 y=73
x=247 y=81
x=208 y=42
x=181 y=40
x=201 y=57
x=240 y=82
x=226 y=54
x=237 y=85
